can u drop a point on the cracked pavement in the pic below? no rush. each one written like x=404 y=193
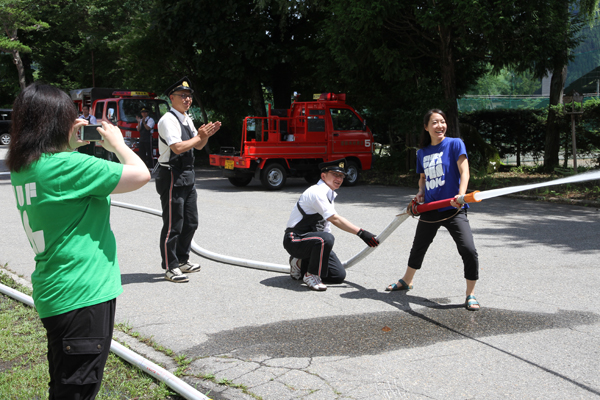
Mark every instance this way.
x=537 y=335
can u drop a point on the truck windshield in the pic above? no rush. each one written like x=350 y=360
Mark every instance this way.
x=129 y=108
x=345 y=120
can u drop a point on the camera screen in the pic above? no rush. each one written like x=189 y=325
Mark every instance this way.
x=90 y=134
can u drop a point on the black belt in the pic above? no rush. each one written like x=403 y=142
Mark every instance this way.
x=169 y=167
x=299 y=233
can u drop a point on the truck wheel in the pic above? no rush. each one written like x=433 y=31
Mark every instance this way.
x=240 y=181
x=5 y=138
x=352 y=172
x=273 y=176
x=312 y=177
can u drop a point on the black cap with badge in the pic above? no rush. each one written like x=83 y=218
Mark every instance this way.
x=337 y=166
x=182 y=84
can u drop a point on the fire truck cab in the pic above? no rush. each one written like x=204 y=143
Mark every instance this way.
x=120 y=108
x=293 y=142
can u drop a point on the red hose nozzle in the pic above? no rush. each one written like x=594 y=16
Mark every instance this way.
x=415 y=209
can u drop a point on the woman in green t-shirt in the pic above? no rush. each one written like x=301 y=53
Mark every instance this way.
x=63 y=198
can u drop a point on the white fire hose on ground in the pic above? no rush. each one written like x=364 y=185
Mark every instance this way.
x=285 y=269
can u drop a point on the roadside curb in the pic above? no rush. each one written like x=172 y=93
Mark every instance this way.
x=211 y=389
x=16 y=278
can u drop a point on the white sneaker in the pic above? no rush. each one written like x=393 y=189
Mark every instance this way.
x=175 y=275
x=295 y=271
x=189 y=267
x=314 y=282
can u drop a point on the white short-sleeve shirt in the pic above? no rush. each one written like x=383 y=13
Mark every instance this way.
x=170 y=130
x=149 y=122
x=317 y=199
x=92 y=120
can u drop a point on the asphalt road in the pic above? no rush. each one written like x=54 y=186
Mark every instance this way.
x=536 y=337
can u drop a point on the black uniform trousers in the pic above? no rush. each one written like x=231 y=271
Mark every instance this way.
x=460 y=230
x=78 y=346
x=145 y=151
x=315 y=251
x=180 y=219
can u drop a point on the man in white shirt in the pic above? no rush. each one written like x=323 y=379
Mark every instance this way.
x=86 y=115
x=308 y=237
x=175 y=180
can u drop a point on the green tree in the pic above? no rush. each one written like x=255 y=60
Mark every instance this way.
x=569 y=14
x=447 y=44
x=238 y=53
x=74 y=51
x=17 y=16
x=506 y=82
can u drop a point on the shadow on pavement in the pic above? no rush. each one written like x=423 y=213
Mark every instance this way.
x=142 y=278
x=380 y=332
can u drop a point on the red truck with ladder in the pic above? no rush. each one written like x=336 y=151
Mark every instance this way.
x=119 y=107
x=293 y=142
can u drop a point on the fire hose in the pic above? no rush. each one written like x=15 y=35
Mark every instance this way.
x=412 y=209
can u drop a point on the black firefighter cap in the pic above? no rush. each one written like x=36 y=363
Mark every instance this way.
x=144 y=109
x=337 y=166
x=182 y=84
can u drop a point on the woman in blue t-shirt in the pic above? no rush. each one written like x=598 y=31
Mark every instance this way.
x=444 y=173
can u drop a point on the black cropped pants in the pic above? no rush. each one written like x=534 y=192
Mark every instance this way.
x=460 y=230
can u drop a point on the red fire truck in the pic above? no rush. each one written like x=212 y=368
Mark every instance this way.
x=293 y=142
x=119 y=107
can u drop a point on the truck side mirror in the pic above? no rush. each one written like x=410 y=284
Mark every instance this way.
x=364 y=125
x=110 y=113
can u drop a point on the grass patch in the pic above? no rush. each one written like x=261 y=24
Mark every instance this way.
x=24 y=366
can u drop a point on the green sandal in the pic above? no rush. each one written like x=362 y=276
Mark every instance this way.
x=470 y=302
x=403 y=286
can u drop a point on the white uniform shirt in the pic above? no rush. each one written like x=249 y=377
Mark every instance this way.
x=170 y=130
x=149 y=122
x=315 y=200
x=92 y=119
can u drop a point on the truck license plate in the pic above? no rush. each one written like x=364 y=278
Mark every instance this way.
x=229 y=164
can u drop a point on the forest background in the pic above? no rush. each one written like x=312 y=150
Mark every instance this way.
x=394 y=59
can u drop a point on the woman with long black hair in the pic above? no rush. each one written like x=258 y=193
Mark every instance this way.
x=444 y=173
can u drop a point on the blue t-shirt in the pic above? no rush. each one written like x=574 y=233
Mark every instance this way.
x=439 y=164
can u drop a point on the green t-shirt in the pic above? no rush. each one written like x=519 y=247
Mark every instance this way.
x=64 y=203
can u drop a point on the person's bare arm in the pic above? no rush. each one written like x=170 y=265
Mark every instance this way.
x=463 y=169
x=421 y=193
x=349 y=227
x=343 y=224
x=135 y=173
